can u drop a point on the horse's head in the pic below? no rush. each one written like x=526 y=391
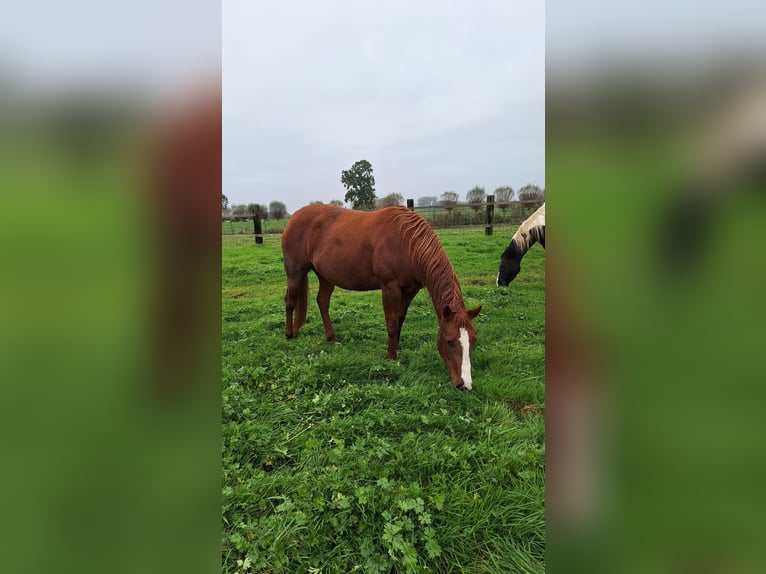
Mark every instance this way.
x=456 y=339
x=510 y=264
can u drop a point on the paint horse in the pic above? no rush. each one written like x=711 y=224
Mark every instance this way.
x=529 y=232
x=392 y=249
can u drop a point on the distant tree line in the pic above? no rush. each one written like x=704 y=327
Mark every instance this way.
x=359 y=182
x=242 y=212
x=477 y=195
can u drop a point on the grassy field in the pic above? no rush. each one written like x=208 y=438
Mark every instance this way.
x=336 y=459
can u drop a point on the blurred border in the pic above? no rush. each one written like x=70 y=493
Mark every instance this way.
x=655 y=156
x=110 y=171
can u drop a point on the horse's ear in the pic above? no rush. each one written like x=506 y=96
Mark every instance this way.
x=473 y=312
x=447 y=313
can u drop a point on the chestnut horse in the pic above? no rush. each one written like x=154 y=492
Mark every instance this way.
x=392 y=249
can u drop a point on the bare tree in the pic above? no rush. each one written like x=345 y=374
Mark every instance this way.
x=531 y=193
x=239 y=212
x=449 y=199
x=503 y=197
x=475 y=197
x=277 y=210
x=389 y=200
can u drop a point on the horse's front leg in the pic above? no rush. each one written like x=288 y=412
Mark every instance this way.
x=392 y=301
x=323 y=301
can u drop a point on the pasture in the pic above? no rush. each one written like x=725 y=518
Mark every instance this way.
x=337 y=459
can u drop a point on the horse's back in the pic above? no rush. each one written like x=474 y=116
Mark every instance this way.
x=350 y=248
x=326 y=222
x=300 y=226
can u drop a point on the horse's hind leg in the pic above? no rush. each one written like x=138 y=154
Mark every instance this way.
x=392 y=301
x=407 y=297
x=323 y=301
x=295 y=301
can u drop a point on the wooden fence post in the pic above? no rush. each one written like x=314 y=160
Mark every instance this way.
x=257 y=226
x=490 y=214
x=411 y=204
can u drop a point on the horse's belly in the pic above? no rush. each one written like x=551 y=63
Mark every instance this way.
x=352 y=280
x=355 y=266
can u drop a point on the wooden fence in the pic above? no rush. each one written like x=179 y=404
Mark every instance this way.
x=487 y=214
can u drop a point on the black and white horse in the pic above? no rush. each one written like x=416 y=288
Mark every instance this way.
x=529 y=232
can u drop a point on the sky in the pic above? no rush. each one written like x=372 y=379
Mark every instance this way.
x=141 y=45
x=437 y=96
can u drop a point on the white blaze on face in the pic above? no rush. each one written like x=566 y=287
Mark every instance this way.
x=465 y=365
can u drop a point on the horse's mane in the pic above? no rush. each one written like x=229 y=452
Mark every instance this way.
x=429 y=256
x=530 y=231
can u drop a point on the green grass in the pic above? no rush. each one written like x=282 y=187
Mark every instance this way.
x=337 y=459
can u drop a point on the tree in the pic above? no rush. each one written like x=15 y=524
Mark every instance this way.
x=317 y=202
x=449 y=199
x=427 y=201
x=530 y=193
x=475 y=197
x=337 y=202
x=239 y=212
x=390 y=199
x=224 y=202
x=360 y=185
x=503 y=194
x=277 y=210
x=503 y=197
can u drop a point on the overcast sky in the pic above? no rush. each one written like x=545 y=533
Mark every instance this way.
x=436 y=95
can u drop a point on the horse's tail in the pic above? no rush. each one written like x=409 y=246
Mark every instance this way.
x=302 y=303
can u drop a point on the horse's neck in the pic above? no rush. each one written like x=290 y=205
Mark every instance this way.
x=444 y=290
x=528 y=233
x=434 y=268
x=524 y=239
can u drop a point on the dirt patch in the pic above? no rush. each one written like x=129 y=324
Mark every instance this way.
x=525 y=408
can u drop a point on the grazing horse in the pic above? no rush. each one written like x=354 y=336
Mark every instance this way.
x=532 y=230
x=392 y=249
